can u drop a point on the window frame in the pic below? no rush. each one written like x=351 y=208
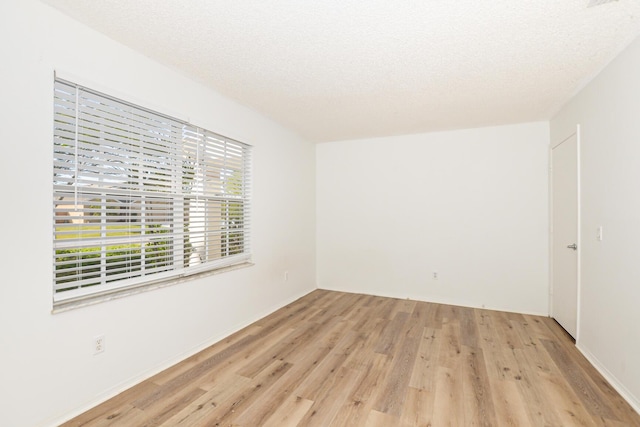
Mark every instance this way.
x=152 y=166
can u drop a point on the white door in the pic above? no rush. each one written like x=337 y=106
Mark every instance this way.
x=565 y=250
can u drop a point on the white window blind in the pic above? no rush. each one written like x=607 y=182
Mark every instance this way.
x=139 y=197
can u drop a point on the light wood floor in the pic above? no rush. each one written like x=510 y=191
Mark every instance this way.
x=337 y=359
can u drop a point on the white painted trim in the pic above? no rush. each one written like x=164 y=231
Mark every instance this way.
x=125 y=385
x=550 y=200
x=578 y=225
x=611 y=379
x=435 y=300
x=579 y=233
x=99 y=298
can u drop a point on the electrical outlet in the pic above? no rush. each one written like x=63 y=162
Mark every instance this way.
x=286 y=276
x=98 y=344
x=435 y=275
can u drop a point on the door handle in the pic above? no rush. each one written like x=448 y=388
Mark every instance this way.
x=574 y=247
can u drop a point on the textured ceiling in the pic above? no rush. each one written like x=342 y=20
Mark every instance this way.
x=343 y=69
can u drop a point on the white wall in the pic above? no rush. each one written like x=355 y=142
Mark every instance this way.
x=470 y=204
x=47 y=370
x=608 y=111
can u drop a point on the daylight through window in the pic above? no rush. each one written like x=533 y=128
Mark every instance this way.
x=139 y=197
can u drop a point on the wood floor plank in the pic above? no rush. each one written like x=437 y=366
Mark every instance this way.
x=327 y=405
x=468 y=328
x=510 y=408
x=540 y=409
x=157 y=414
x=435 y=317
x=355 y=410
x=359 y=310
x=290 y=413
x=360 y=357
x=369 y=321
x=569 y=408
x=403 y=306
x=500 y=361
x=282 y=348
x=384 y=308
x=614 y=401
x=339 y=359
x=422 y=314
x=423 y=372
x=267 y=404
x=320 y=381
x=448 y=405
x=391 y=399
x=194 y=414
x=226 y=410
x=449 y=351
x=418 y=408
x=478 y=396
x=380 y=419
x=391 y=333
x=128 y=416
x=336 y=308
x=503 y=324
x=262 y=384
x=580 y=383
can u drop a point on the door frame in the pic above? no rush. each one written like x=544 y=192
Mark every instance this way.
x=578 y=225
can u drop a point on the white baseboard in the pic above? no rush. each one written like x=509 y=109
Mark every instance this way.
x=436 y=300
x=615 y=383
x=125 y=385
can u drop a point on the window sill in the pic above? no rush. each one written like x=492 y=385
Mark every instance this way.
x=63 y=306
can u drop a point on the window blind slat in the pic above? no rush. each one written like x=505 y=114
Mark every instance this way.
x=140 y=197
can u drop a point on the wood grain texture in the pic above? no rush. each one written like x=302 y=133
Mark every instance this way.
x=338 y=359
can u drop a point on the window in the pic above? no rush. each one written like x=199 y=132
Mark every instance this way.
x=139 y=197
